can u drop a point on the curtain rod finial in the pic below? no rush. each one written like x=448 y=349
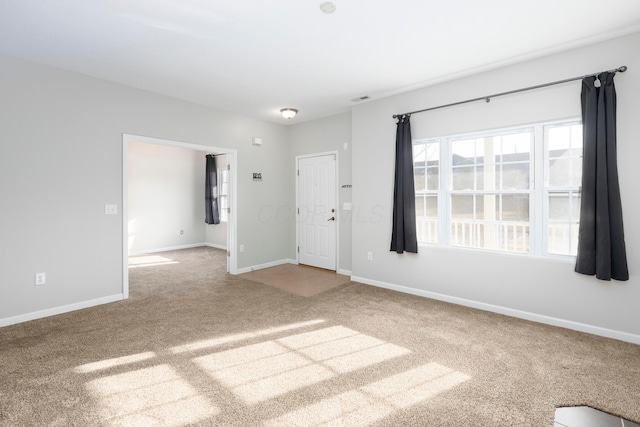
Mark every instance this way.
x=622 y=69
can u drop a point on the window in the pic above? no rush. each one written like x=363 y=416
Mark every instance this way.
x=493 y=190
x=223 y=194
x=427 y=182
x=563 y=176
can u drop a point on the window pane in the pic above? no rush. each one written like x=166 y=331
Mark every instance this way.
x=462 y=207
x=559 y=172
x=419 y=154
x=559 y=138
x=559 y=207
x=485 y=206
x=427 y=230
x=515 y=237
x=516 y=147
x=433 y=178
x=576 y=172
x=418 y=178
x=463 y=178
x=562 y=239
x=515 y=207
x=563 y=141
x=485 y=180
x=432 y=206
x=463 y=152
x=420 y=206
x=575 y=208
x=426 y=164
x=515 y=176
x=427 y=206
x=433 y=152
x=427 y=218
x=564 y=214
x=463 y=233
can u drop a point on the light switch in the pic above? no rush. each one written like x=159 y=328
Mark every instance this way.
x=346 y=206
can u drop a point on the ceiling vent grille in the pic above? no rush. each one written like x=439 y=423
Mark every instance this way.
x=361 y=98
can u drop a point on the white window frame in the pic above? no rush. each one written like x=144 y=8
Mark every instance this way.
x=223 y=178
x=538 y=189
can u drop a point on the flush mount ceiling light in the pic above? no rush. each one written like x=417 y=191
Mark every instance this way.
x=288 y=113
x=328 y=7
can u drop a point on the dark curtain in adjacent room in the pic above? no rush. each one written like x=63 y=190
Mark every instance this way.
x=403 y=235
x=601 y=247
x=212 y=214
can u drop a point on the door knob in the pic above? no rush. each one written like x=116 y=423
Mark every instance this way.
x=333 y=218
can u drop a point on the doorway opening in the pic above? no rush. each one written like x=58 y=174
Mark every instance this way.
x=231 y=200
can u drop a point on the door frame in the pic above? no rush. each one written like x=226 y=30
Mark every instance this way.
x=337 y=193
x=232 y=230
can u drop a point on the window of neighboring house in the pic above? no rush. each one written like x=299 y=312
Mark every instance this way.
x=486 y=191
x=223 y=194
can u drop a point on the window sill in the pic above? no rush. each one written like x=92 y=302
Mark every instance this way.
x=565 y=259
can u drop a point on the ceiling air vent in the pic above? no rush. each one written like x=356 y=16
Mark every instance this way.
x=361 y=98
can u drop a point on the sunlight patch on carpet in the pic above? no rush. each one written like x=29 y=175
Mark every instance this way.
x=376 y=400
x=149 y=396
x=215 y=342
x=149 y=261
x=263 y=371
x=110 y=363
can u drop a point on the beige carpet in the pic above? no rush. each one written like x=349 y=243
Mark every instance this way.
x=194 y=346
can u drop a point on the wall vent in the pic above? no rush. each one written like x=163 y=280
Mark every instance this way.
x=361 y=98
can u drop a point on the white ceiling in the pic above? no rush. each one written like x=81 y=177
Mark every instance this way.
x=255 y=57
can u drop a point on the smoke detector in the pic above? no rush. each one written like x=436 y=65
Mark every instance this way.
x=328 y=7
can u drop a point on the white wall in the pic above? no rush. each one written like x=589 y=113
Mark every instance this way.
x=166 y=196
x=539 y=289
x=61 y=155
x=322 y=135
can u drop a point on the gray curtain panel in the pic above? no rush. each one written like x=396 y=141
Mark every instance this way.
x=601 y=247
x=212 y=214
x=403 y=235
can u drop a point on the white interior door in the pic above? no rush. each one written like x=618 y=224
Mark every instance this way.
x=317 y=211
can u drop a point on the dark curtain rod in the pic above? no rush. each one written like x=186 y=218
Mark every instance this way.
x=488 y=98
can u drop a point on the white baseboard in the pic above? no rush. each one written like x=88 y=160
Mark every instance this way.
x=170 y=248
x=266 y=265
x=215 y=245
x=344 y=272
x=554 y=321
x=59 y=310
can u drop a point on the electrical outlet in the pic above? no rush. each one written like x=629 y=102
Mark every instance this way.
x=370 y=256
x=40 y=279
x=241 y=248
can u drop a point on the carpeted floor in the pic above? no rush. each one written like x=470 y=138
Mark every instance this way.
x=195 y=346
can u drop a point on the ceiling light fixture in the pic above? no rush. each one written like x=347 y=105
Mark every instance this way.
x=328 y=7
x=288 y=113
